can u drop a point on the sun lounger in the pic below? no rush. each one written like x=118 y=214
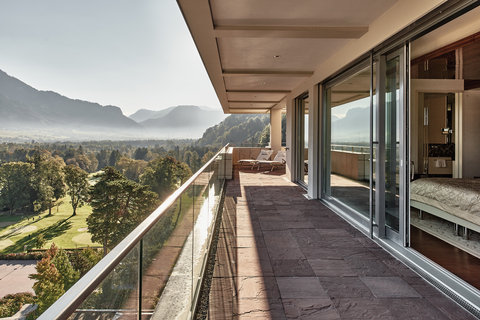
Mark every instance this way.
x=264 y=155
x=279 y=161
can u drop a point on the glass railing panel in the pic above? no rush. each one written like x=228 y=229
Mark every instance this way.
x=175 y=297
x=117 y=295
x=162 y=246
x=218 y=178
x=156 y=271
x=203 y=221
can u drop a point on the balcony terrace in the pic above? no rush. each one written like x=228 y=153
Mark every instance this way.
x=282 y=256
x=277 y=255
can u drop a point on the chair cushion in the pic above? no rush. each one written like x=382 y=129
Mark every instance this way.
x=281 y=156
x=264 y=154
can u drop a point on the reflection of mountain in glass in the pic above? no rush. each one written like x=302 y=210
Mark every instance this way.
x=351 y=123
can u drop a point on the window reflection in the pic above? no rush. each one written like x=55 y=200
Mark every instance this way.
x=348 y=141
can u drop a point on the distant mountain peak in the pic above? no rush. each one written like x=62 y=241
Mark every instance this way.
x=30 y=111
x=52 y=109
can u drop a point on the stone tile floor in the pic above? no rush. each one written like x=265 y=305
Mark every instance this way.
x=281 y=256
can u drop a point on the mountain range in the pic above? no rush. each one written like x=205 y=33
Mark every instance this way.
x=353 y=128
x=26 y=111
x=186 y=117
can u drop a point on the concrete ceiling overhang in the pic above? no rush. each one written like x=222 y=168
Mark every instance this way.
x=257 y=52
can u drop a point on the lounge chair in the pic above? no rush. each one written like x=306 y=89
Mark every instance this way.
x=264 y=155
x=279 y=161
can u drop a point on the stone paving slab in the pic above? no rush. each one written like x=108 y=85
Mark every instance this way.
x=281 y=256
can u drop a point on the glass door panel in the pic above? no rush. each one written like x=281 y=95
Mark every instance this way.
x=302 y=139
x=392 y=143
x=305 y=140
x=389 y=154
x=347 y=142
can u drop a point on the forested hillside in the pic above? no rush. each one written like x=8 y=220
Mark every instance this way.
x=237 y=129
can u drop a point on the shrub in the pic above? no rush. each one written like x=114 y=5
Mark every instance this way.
x=22 y=256
x=11 y=303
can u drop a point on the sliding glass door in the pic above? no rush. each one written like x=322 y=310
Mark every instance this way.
x=347 y=142
x=391 y=171
x=364 y=145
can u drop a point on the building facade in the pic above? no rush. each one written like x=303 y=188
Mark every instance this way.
x=382 y=99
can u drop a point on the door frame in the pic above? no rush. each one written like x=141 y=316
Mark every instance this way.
x=299 y=122
x=382 y=230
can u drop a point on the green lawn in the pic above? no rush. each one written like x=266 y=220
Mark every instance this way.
x=61 y=227
x=6 y=220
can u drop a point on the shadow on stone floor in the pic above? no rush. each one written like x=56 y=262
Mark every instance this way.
x=281 y=256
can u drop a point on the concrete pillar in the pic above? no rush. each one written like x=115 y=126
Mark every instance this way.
x=275 y=129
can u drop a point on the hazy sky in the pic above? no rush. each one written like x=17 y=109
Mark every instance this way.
x=129 y=53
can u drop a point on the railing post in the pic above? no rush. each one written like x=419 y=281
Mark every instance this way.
x=140 y=276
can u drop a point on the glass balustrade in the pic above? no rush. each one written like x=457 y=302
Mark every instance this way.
x=156 y=272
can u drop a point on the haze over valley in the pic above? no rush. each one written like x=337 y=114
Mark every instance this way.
x=27 y=113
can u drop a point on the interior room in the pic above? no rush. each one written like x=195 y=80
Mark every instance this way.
x=444 y=152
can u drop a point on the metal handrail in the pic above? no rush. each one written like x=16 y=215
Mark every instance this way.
x=70 y=300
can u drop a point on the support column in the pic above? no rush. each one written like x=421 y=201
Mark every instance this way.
x=275 y=129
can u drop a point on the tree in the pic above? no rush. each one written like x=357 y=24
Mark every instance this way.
x=192 y=159
x=118 y=206
x=48 y=287
x=49 y=184
x=84 y=260
x=54 y=276
x=15 y=185
x=165 y=175
x=102 y=158
x=114 y=156
x=207 y=156
x=265 y=136
x=77 y=183
x=131 y=169
x=67 y=273
x=40 y=241
x=140 y=153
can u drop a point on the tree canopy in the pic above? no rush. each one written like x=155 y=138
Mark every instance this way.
x=76 y=180
x=15 y=185
x=165 y=175
x=48 y=180
x=118 y=206
x=55 y=275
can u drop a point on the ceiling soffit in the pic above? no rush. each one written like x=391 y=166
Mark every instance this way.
x=266 y=48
